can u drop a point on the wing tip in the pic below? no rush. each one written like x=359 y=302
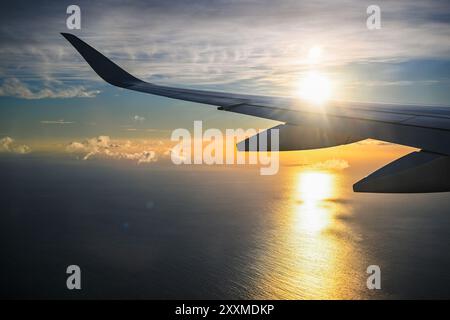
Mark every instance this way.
x=104 y=67
x=69 y=37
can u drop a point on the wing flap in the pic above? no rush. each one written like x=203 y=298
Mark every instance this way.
x=429 y=122
x=417 y=172
x=293 y=137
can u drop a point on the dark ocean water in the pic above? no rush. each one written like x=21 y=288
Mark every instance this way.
x=160 y=231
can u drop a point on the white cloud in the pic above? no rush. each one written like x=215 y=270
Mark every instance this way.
x=331 y=164
x=13 y=87
x=176 y=155
x=8 y=144
x=103 y=146
x=138 y=118
x=60 y=121
x=143 y=157
x=76 y=147
x=374 y=142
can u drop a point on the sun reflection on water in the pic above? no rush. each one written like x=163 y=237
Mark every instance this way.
x=314 y=188
x=315 y=250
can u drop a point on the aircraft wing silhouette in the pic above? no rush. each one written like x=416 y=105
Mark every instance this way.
x=306 y=126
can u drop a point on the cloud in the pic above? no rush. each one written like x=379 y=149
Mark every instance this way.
x=260 y=46
x=399 y=83
x=13 y=87
x=76 y=147
x=103 y=146
x=8 y=144
x=138 y=118
x=179 y=156
x=60 y=121
x=144 y=157
x=331 y=164
x=374 y=142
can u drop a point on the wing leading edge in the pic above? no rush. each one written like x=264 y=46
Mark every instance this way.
x=308 y=127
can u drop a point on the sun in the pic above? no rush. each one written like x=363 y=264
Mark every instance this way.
x=315 y=87
x=314 y=55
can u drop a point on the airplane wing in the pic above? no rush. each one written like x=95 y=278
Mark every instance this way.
x=307 y=126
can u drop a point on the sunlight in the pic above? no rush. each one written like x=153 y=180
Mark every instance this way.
x=314 y=187
x=315 y=87
x=314 y=55
x=312 y=247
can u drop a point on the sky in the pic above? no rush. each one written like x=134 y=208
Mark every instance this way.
x=48 y=92
x=71 y=143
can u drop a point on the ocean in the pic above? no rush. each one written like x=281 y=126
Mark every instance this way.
x=161 y=231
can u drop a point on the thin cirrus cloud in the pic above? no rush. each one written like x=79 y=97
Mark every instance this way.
x=60 y=121
x=13 y=87
x=258 y=45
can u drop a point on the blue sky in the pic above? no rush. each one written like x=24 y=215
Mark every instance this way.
x=242 y=46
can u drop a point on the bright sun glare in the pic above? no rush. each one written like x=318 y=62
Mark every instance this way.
x=314 y=186
x=314 y=55
x=315 y=87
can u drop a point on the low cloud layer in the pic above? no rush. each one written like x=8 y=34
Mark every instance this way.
x=331 y=164
x=8 y=144
x=374 y=142
x=104 y=147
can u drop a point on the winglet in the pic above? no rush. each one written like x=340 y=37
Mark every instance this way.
x=105 y=68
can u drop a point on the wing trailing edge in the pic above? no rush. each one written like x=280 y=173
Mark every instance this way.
x=292 y=137
x=417 y=172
